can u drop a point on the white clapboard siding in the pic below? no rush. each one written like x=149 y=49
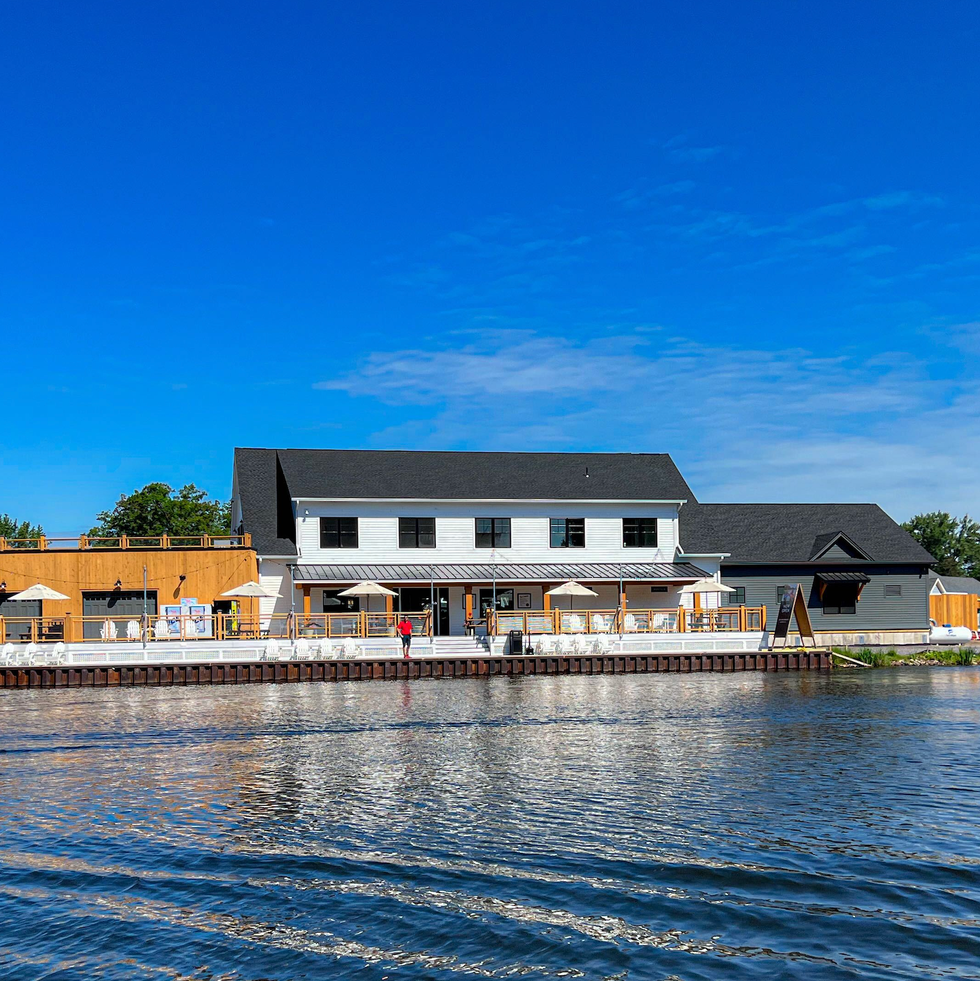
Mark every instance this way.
x=456 y=538
x=273 y=576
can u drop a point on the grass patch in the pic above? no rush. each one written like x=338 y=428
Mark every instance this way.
x=876 y=659
x=963 y=656
x=885 y=659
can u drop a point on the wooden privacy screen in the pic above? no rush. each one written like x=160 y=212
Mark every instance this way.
x=956 y=609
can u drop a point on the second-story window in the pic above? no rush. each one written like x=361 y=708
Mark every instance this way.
x=338 y=533
x=639 y=532
x=416 y=532
x=568 y=532
x=493 y=532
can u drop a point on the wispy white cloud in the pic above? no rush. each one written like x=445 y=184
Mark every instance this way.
x=782 y=424
x=901 y=199
x=644 y=193
x=680 y=149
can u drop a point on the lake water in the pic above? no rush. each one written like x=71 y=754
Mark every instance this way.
x=816 y=826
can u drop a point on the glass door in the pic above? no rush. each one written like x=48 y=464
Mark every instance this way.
x=505 y=600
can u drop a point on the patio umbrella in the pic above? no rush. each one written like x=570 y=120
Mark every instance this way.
x=39 y=592
x=570 y=589
x=252 y=588
x=705 y=586
x=368 y=589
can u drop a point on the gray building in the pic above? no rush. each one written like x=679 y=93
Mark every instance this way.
x=865 y=579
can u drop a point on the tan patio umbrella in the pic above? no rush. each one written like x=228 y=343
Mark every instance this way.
x=704 y=586
x=39 y=592
x=252 y=589
x=571 y=589
x=367 y=588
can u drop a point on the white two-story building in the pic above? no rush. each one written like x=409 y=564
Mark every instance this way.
x=464 y=535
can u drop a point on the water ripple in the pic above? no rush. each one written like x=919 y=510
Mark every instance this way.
x=797 y=826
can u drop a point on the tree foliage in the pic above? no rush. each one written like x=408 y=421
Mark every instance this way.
x=158 y=509
x=954 y=542
x=12 y=528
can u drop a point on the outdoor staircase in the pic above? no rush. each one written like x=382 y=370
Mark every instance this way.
x=459 y=646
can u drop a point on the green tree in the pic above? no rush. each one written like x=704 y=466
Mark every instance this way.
x=158 y=509
x=11 y=528
x=954 y=542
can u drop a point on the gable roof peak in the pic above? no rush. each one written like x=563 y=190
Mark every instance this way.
x=825 y=542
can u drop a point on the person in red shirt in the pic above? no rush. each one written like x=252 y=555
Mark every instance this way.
x=405 y=632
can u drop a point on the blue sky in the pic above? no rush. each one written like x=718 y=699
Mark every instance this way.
x=744 y=234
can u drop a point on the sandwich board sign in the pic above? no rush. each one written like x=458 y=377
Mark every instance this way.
x=792 y=603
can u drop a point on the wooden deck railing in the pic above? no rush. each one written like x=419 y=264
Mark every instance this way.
x=217 y=626
x=666 y=621
x=82 y=542
x=291 y=626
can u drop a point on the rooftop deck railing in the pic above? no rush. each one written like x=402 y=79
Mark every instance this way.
x=83 y=542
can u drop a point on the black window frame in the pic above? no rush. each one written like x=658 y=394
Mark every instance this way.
x=736 y=598
x=499 y=528
x=779 y=592
x=340 y=535
x=633 y=528
x=411 y=535
x=834 y=595
x=561 y=526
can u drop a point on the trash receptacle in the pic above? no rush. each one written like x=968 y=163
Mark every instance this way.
x=515 y=642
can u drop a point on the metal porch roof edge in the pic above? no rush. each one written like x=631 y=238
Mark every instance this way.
x=510 y=572
x=844 y=577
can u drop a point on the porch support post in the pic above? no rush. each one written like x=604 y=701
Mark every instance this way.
x=622 y=609
x=306 y=603
x=468 y=588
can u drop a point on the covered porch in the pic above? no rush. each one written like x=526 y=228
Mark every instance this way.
x=493 y=599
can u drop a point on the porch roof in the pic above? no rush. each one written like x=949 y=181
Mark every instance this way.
x=505 y=572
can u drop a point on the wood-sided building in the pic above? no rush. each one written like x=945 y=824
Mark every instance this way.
x=105 y=577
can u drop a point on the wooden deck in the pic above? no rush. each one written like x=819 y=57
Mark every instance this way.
x=388 y=669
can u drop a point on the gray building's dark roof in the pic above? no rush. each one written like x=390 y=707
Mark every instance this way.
x=959 y=584
x=553 y=572
x=780 y=533
x=419 y=474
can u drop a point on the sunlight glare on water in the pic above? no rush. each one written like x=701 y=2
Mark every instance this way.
x=814 y=826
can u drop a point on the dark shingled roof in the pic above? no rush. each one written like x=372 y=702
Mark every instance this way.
x=772 y=533
x=959 y=584
x=260 y=486
x=406 y=474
